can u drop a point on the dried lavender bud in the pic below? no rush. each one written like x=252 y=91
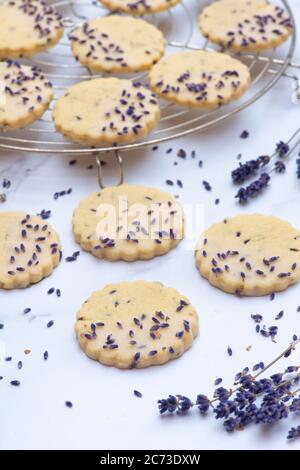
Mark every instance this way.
x=253 y=189
x=248 y=169
x=282 y=149
x=244 y=134
x=298 y=167
x=206 y=185
x=293 y=433
x=203 y=403
x=280 y=167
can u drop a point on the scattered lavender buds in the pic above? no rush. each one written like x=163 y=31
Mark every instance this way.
x=279 y=315
x=61 y=193
x=293 y=433
x=73 y=257
x=206 y=185
x=69 y=404
x=15 y=383
x=45 y=214
x=244 y=134
x=6 y=184
x=137 y=393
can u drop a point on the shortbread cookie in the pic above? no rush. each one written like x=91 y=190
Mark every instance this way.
x=199 y=79
x=245 y=25
x=28 y=27
x=250 y=255
x=106 y=111
x=139 y=7
x=117 y=44
x=29 y=249
x=128 y=223
x=25 y=94
x=136 y=324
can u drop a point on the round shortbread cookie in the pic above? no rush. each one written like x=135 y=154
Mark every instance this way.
x=28 y=27
x=199 y=79
x=250 y=255
x=29 y=249
x=25 y=94
x=117 y=44
x=136 y=324
x=106 y=111
x=139 y=7
x=245 y=25
x=128 y=223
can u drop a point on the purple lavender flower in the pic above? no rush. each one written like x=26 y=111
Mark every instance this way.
x=282 y=148
x=293 y=433
x=253 y=189
x=248 y=169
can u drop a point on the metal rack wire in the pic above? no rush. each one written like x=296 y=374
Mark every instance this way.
x=179 y=25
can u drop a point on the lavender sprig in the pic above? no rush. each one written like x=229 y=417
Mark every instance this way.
x=253 y=189
x=249 y=168
x=251 y=400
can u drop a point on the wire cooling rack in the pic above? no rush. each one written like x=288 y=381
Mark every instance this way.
x=180 y=27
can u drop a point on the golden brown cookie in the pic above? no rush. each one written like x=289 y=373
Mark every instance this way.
x=29 y=249
x=106 y=111
x=199 y=79
x=139 y=7
x=28 y=27
x=250 y=255
x=136 y=324
x=245 y=25
x=117 y=44
x=26 y=94
x=128 y=223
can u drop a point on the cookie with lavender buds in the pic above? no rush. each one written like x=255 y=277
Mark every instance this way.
x=128 y=223
x=30 y=249
x=139 y=7
x=28 y=27
x=106 y=111
x=117 y=44
x=136 y=324
x=245 y=25
x=199 y=79
x=25 y=94
x=250 y=255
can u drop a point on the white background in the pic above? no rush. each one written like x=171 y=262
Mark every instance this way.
x=106 y=414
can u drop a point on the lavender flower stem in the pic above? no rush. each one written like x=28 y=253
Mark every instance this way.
x=291 y=347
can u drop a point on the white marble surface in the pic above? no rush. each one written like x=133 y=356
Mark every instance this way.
x=106 y=414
